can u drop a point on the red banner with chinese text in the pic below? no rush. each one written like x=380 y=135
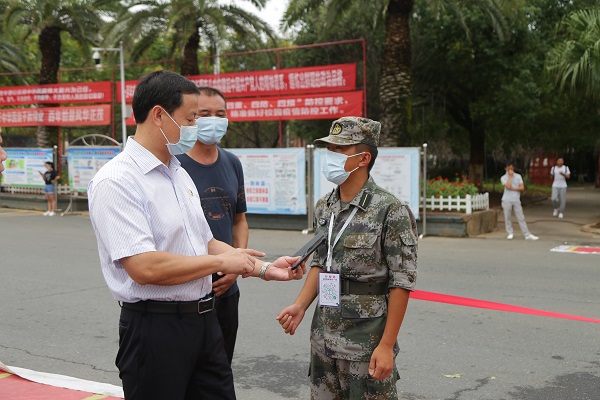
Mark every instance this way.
x=318 y=106
x=324 y=78
x=56 y=116
x=89 y=92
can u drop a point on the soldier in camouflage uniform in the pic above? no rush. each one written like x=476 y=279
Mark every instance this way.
x=353 y=345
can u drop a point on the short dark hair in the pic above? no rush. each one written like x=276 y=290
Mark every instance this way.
x=211 y=91
x=371 y=150
x=509 y=163
x=160 y=88
x=51 y=164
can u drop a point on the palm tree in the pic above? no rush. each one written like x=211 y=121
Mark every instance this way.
x=574 y=63
x=187 y=24
x=48 y=19
x=395 y=86
x=10 y=57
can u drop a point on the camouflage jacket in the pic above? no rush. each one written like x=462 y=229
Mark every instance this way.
x=379 y=245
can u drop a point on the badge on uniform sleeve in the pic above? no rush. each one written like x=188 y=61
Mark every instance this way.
x=322 y=221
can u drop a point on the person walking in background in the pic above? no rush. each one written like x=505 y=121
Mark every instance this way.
x=50 y=178
x=560 y=173
x=363 y=274
x=511 y=201
x=3 y=155
x=219 y=178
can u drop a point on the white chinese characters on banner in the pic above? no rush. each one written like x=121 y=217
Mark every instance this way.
x=56 y=116
x=279 y=82
x=88 y=92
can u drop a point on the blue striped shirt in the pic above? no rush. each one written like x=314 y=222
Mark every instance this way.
x=138 y=205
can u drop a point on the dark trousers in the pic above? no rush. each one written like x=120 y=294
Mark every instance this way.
x=227 y=313
x=173 y=357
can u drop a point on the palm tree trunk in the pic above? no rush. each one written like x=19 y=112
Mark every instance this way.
x=477 y=156
x=396 y=77
x=189 y=65
x=50 y=45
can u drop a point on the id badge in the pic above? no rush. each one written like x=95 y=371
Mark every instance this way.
x=329 y=289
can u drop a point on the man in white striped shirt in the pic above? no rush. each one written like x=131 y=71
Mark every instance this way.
x=157 y=253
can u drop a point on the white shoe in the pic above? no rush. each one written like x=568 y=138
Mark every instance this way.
x=555 y=212
x=510 y=236
x=51 y=214
x=560 y=215
x=531 y=237
x=46 y=213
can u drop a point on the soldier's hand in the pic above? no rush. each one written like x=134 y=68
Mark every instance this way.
x=382 y=362
x=290 y=317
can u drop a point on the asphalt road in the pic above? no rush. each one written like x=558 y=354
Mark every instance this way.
x=56 y=315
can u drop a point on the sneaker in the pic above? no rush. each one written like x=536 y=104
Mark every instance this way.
x=51 y=214
x=46 y=213
x=531 y=237
x=555 y=212
x=510 y=236
x=560 y=215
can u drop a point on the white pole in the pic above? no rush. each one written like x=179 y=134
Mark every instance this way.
x=123 y=106
x=424 y=225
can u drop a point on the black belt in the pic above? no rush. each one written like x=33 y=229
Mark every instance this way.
x=172 y=307
x=373 y=288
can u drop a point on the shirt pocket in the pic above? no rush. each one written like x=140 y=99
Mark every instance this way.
x=363 y=306
x=360 y=255
x=408 y=238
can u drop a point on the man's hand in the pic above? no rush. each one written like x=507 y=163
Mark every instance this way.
x=239 y=261
x=224 y=283
x=290 y=317
x=282 y=270
x=382 y=362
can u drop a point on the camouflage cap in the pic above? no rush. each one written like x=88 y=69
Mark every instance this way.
x=352 y=130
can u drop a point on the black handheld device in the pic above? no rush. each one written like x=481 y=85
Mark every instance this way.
x=308 y=249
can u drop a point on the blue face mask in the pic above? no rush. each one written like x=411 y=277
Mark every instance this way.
x=334 y=167
x=187 y=138
x=211 y=129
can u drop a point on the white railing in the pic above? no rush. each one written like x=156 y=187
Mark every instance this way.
x=60 y=189
x=467 y=204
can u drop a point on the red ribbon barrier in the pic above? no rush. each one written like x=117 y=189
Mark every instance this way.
x=468 y=302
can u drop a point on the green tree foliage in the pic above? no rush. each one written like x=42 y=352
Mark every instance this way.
x=47 y=19
x=574 y=62
x=311 y=22
x=184 y=26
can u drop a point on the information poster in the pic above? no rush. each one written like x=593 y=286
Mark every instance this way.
x=396 y=170
x=23 y=166
x=274 y=180
x=85 y=161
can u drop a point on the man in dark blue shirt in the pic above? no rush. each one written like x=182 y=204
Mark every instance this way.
x=219 y=178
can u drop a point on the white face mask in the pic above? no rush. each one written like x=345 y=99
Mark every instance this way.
x=187 y=138
x=334 y=170
x=211 y=129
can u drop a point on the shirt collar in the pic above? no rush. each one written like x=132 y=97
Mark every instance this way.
x=362 y=198
x=145 y=159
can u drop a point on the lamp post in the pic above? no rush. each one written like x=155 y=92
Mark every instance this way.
x=96 y=57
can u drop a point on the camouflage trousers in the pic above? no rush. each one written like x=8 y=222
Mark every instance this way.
x=337 y=379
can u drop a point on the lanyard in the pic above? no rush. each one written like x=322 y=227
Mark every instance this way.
x=337 y=238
